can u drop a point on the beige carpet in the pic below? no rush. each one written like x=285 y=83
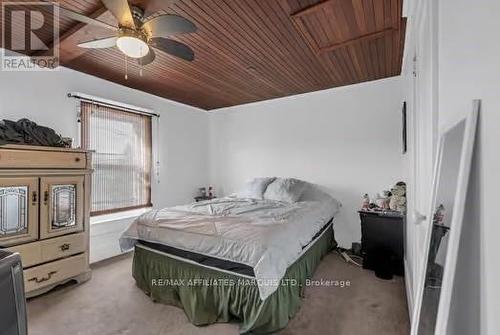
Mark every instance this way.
x=110 y=303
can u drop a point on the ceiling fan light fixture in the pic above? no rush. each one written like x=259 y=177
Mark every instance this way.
x=132 y=43
x=132 y=46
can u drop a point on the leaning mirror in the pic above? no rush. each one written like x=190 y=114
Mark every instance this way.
x=451 y=176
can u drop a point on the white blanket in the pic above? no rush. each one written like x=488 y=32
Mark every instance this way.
x=266 y=235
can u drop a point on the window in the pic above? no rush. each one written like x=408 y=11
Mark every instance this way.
x=121 y=142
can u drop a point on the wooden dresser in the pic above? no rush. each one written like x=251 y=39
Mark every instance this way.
x=44 y=213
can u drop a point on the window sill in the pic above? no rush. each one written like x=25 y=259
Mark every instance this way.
x=105 y=231
x=118 y=216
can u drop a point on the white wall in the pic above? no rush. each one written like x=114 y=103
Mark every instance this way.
x=183 y=145
x=41 y=97
x=469 y=68
x=346 y=139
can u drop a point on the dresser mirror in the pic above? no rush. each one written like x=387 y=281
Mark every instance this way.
x=13 y=210
x=451 y=177
x=64 y=206
x=18 y=210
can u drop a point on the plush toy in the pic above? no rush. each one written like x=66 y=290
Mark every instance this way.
x=379 y=201
x=365 y=202
x=398 y=198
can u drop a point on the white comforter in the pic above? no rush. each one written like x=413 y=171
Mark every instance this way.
x=266 y=235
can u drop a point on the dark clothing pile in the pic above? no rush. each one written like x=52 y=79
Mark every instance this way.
x=28 y=132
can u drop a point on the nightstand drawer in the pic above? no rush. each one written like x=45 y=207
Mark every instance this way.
x=47 y=250
x=47 y=274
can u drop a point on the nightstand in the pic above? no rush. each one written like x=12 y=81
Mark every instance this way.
x=382 y=241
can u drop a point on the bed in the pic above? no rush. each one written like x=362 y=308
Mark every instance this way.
x=233 y=259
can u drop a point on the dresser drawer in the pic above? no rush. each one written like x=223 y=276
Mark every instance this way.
x=25 y=159
x=51 y=273
x=62 y=246
x=31 y=253
x=47 y=250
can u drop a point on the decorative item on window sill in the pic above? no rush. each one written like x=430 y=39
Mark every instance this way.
x=27 y=132
x=387 y=201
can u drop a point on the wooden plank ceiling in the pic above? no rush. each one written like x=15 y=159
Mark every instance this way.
x=251 y=50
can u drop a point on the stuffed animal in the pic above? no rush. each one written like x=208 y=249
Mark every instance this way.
x=365 y=202
x=398 y=198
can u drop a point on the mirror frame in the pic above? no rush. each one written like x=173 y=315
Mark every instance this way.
x=456 y=221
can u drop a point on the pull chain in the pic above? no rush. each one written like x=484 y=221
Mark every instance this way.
x=126 y=68
x=140 y=65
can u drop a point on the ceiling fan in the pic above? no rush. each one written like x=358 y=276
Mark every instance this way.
x=137 y=36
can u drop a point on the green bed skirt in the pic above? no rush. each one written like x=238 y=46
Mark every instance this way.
x=209 y=295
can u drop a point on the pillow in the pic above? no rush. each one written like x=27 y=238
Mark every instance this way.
x=285 y=189
x=255 y=188
x=314 y=192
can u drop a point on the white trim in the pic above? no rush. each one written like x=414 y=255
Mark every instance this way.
x=457 y=221
x=421 y=49
x=415 y=16
x=422 y=265
x=409 y=289
x=104 y=238
x=98 y=219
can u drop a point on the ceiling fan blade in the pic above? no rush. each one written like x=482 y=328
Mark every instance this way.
x=149 y=58
x=101 y=43
x=173 y=48
x=84 y=19
x=121 y=11
x=153 y=6
x=167 y=25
